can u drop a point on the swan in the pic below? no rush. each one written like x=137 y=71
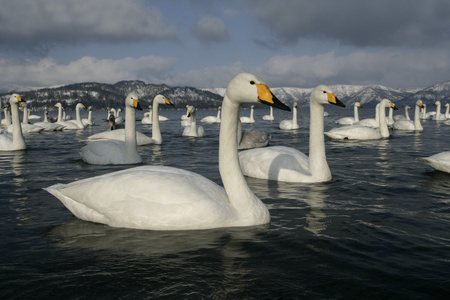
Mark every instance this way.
x=447 y=111
x=167 y=198
x=212 y=119
x=193 y=130
x=290 y=124
x=250 y=139
x=438 y=116
x=147 y=119
x=14 y=141
x=114 y=152
x=88 y=121
x=142 y=139
x=288 y=164
x=440 y=161
x=76 y=124
x=47 y=125
x=26 y=126
x=6 y=111
x=269 y=117
x=403 y=117
x=117 y=118
x=248 y=119
x=424 y=115
x=371 y=122
x=358 y=132
x=32 y=117
x=350 y=120
x=408 y=124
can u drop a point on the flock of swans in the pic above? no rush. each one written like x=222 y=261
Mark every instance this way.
x=193 y=201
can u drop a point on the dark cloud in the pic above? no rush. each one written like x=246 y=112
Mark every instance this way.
x=43 y=24
x=211 y=30
x=358 y=23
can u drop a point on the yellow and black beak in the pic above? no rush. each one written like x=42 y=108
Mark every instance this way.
x=136 y=104
x=168 y=102
x=332 y=99
x=265 y=96
x=393 y=106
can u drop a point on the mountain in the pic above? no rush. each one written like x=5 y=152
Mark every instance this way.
x=102 y=95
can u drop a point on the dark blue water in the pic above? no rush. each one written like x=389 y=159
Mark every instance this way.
x=379 y=229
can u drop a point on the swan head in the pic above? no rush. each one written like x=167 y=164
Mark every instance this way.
x=249 y=88
x=90 y=108
x=15 y=98
x=357 y=104
x=295 y=105
x=191 y=110
x=57 y=105
x=419 y=103
x=160 y=99
x=437 y=103
x=323 y=95
x=132 y=101
x=388 y=103
x=80 y=106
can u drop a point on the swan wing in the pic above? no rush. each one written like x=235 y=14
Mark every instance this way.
x=354 y=132
x=440 y=161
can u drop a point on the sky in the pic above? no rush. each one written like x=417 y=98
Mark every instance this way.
x=204 y=44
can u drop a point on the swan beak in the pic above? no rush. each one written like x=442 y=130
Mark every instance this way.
x=136 y=104
x=189 y=113
x=168 y=102
x=84 y=107
x=20 y=99
x=393 y=106
x=265 y=96
x=332 y=99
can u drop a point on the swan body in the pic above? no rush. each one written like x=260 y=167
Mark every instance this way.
x=290 y=124
x=76 y=124
x=7 y=112
x=47 y=125
x=26 y=126
x=212 y=119
x=440 y=161
x=147 y=119
x=403 y=117
x=269 y=117
x=350 y=120
x=249 y=119
x=88 y=121
x=438 y=116
x=115 y=152
x=408 y=124
x=166 y=198
x=115 y=113
x=142 y=139
x=288 y=164
x=14 y=141
x=358 y=132
x=193 y=130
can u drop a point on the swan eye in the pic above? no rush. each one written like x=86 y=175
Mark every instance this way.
x=252 y=82
x=324 y=92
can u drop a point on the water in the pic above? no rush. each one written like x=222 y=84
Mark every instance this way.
x=380 y=228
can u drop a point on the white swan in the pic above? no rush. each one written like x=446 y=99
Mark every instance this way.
x=142 y=139
x=114 y=152
x=424 y=115
x=47 y=125
x=440 y=161
x=269 y=117
x=447 y=111
x=290 y=124
x=408 y=124
x=7 y=120
x=193 y=130
x=249 y=119
x=358 y=132
x=251 y=138
x=117 y=119
x=166 y=198
x=26 y=126
x=88 y=121
x=212 y=119
x=405 y=116
x=438 y=116
x=372 y=122
x=350 y=120
x=147 y=119
x=14 y=141
x=288 y=164
x=76 y=124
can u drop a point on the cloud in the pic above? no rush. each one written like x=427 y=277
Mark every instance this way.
x=47 y=72
x=29 y=24
x=211 y=30
x=358 y=23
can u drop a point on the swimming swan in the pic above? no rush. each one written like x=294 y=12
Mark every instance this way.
x=14 y=141
x=290 y=124
x=371 y=122
x=440 y=161
x=141 y=138
x=438 y=116
x=358 y=132
x=269 y=117
x=350 y=120
x=114 y=152
x=408 y=124
x=212 y=119
x=250 y=119
x=88 y=121
x=193 y=130
x=167 y=198
x=76 y=124
x=288 y=164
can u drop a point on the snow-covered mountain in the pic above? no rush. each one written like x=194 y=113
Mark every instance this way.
x=101 y=95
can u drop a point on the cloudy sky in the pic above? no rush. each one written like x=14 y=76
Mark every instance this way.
x=204 y=43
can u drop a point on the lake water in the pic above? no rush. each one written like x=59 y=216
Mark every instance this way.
x=379 y=229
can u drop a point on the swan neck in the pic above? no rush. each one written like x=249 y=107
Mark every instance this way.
x=318 y=164
x=417 y=124
x=355 y=113
x=271 y=112
x=251 y=115
x=294 y=116
x=239 y=194
x=59 y=113
x=78 y=117
x=130 y=129
x=383 y=124
x=45 y=116
x=25 y=114
x=18 y=140
x=156 y=131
